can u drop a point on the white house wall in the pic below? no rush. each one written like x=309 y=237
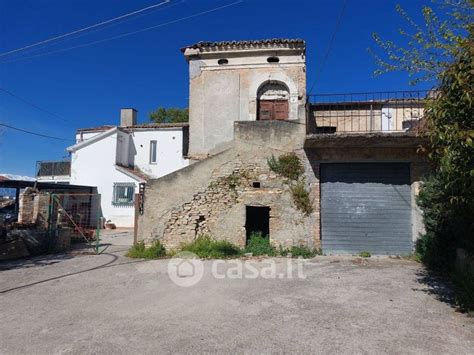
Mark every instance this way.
x=94 y=165
x=83 y=136
x=169 y=152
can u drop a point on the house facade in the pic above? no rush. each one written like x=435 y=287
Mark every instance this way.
x=248 y=103
x=119 y=160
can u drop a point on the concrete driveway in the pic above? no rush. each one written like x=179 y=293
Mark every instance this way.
x=112 y=304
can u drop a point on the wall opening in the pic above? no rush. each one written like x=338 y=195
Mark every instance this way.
x=257 y=219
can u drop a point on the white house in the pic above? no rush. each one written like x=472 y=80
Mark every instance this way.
x=118 y=159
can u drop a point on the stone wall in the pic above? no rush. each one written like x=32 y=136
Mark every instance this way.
x=34 y=207
x=210 y=197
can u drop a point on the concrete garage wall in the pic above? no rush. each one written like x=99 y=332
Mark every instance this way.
x=418 y=168
x=209 y=197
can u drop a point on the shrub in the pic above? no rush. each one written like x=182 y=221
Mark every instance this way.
x=206 y=247
x=464 y=288
x=301 y=197
x=140 y=251
x=287 y=165
x=365 y=254
x=303 y=251
x=259 y=244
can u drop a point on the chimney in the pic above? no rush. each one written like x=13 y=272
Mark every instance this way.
x=128 y=117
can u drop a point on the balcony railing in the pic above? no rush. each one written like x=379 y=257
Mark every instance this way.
x=396 y=111
x=53 y=168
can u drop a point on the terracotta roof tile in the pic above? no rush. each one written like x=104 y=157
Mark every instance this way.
x=251 y=43
x=145 y=125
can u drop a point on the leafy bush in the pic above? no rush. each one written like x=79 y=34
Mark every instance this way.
x=365 y=254
x=206 y=247
x=140 y=251
x=301 y=197
x=297 y=251
x=259 y=245
x=447 y=196
x=287 y=165
x=464 y=287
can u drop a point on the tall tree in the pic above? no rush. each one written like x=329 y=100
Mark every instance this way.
x=426 y=51
x=169 y=115
x=443 y=52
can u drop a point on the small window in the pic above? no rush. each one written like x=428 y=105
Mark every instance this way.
x=152 y=152
x=123 y=194
x=273 y=59
x=256 y=184
x=222 y=61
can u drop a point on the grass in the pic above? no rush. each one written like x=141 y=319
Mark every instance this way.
x=206 y=248
x=365 y=254
x=140 y=251
x=300 y=251
x=259 y=244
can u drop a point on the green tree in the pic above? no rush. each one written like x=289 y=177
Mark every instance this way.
x=443 y=52
x=427 y=50
x=169 y=115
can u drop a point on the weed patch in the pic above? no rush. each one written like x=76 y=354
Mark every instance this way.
x=301 y=197
x=300 y=251
x=259 y=245
x=205 y=247
x=365 y=254
x=140 y=251
x=287 y=165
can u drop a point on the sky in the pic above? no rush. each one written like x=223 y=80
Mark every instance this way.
x=87 y=86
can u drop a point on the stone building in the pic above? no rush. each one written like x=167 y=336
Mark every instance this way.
x=248 y=103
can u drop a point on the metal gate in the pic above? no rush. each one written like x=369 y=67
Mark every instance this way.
x=74 y=218
x=366 y=207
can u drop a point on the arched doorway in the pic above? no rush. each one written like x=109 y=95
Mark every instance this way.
x=272 y=100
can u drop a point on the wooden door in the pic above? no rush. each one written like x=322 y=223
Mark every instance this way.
x=273 y=110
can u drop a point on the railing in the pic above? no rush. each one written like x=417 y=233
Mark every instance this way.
x=396 y=111
x=53 y=168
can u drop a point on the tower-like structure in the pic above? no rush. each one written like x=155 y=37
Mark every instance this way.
x=242 y=81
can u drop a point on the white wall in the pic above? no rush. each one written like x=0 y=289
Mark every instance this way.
x=94 y=165
x=169 y=150
x=83 y=136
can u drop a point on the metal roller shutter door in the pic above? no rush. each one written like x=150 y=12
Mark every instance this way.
x=366 y=207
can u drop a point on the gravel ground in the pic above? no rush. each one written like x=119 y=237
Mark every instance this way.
x=112 y=304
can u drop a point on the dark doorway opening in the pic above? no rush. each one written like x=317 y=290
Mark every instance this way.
x=257 y=219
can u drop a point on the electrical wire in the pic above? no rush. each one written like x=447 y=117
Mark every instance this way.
x=33 y=133
x=85 y=28
x=119 y=22
x=34 y=105
x=129 y=33
x=330 y=45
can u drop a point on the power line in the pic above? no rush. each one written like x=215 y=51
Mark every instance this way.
x=119 y=22
x=33 y=105
x=33 y=133
x=85 y=28
x=330 y=44
x=128 y=33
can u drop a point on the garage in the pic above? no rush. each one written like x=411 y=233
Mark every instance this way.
x=366 y=207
